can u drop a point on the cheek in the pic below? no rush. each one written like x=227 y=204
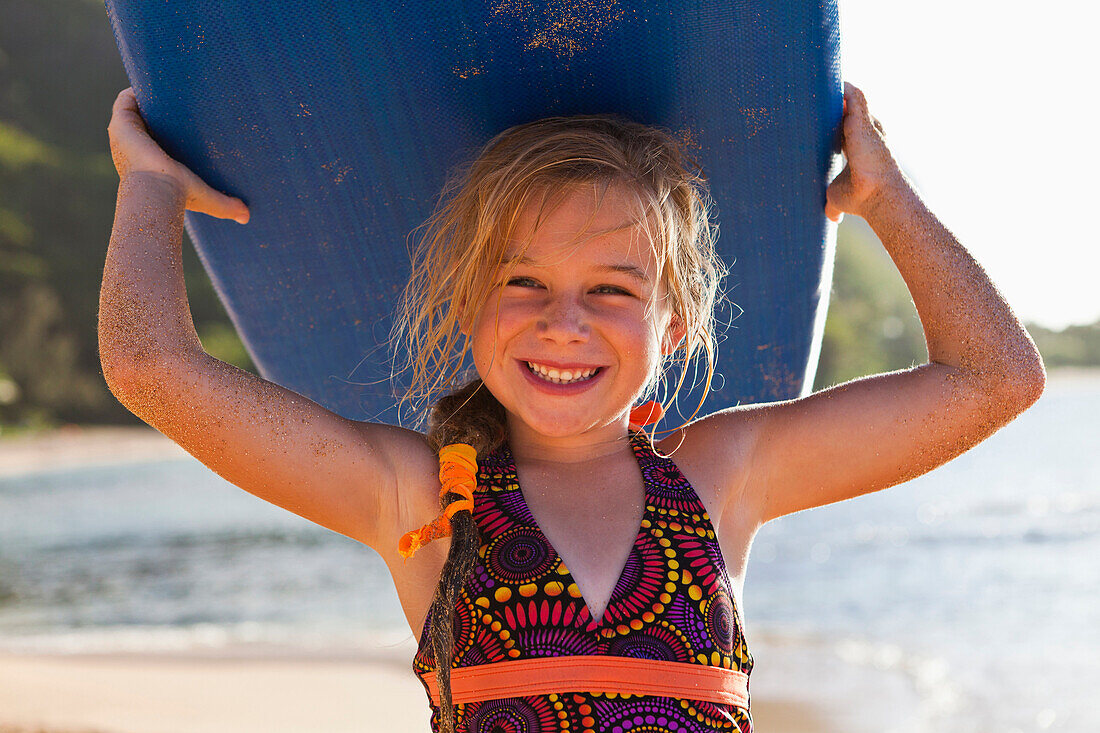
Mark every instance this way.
x=500 y=321
x=636 y=339
x=493 y=330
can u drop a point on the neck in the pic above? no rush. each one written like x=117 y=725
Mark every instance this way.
x=591 y=446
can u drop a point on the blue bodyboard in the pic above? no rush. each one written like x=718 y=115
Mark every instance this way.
x=337 y=123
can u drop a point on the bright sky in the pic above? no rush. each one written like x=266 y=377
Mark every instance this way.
x=991 y=108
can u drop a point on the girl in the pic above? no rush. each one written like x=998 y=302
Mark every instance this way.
x=580 y=579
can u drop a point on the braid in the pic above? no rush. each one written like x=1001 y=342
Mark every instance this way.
x=473 y=416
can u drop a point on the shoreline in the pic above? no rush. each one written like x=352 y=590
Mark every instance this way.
x=81 y=446
x=289 y=693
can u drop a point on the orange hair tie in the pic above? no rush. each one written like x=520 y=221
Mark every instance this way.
x=646 y=414
x=457 y=475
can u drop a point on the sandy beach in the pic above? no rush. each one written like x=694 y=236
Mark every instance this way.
x=128 y=693
x=274 y=691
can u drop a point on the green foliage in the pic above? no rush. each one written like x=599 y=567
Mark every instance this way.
x=872 y=325
x=1073 y=346
x=42 y=380
x=221 y=341
x=59 y=75
x=19 y=150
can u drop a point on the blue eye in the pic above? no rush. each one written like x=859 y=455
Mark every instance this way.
x=615 y=290
x=519 y=280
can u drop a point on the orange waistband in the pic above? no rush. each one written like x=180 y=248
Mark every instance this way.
x=523 y=677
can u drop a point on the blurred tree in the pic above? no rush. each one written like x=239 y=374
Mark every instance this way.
x=1076 y=346
x=872 y=325
x=59 y=75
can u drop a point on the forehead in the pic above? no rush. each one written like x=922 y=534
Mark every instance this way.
x=579 y=224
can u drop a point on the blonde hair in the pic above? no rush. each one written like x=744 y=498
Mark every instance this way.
x=456 y=265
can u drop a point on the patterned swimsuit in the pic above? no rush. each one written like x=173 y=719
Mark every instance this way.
x=673 y=601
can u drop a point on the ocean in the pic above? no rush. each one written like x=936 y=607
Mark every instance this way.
x=967 y=600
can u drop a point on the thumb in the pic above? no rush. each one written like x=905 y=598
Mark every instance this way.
x=840 y=189
x=219 y=205
x=241 y=211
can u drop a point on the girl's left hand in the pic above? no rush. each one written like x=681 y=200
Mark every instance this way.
x=869 y=166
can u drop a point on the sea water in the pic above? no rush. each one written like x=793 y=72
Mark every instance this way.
x=965 y=600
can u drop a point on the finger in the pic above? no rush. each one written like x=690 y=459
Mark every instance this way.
x=851 y=91
x=125 y=109
x=857 y=102
x=840 y=186
x=236 y=212
x=125 y=101
x=219 y=205
x=860 y=115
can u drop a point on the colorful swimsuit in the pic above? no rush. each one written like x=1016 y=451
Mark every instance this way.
x=671 y=618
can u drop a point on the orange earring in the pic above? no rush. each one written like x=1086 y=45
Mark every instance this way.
x=646 y=413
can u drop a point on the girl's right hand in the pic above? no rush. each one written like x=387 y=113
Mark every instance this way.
x=133 y=150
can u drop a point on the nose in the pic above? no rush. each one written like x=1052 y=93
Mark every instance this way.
x=563 y=320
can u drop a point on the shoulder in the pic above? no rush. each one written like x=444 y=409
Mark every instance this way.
x=715 y=454
x=415 y=471
x=407 y=451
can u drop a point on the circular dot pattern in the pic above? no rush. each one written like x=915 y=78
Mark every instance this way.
x=510 y=715
x=521 y=555
x=673 y=601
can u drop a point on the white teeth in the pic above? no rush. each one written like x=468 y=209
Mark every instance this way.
x=560 y=377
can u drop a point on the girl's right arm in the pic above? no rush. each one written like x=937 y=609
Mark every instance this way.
x=368 y=481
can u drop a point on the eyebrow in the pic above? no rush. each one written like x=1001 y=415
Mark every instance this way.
x=630 y=270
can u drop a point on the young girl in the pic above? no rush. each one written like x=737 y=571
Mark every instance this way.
x=580 y=578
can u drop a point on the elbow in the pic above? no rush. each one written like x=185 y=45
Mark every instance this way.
x=116 y=373
x=1010 y=384
x=121 y=369
x=1027 y=392
x=1025 y=379
x=113 y=361
x=1034 y=386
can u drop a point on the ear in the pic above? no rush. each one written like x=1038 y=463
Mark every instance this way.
x=674 y=335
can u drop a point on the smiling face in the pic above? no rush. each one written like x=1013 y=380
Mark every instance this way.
x=591 y=318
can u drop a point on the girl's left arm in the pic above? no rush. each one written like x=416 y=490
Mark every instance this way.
x=874 y=432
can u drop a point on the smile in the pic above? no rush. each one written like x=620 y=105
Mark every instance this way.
x=562 y=376
x=560 y=381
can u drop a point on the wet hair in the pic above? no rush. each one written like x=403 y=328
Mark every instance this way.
x=457 y=265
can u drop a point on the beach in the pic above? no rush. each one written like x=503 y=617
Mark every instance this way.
x=139 y=591
x=126 y=693
x=155 y=693
x=267 y=688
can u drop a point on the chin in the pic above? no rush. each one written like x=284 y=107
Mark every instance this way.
x=555 y=427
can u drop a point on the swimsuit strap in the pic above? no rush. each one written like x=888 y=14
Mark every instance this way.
x=602 y=674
